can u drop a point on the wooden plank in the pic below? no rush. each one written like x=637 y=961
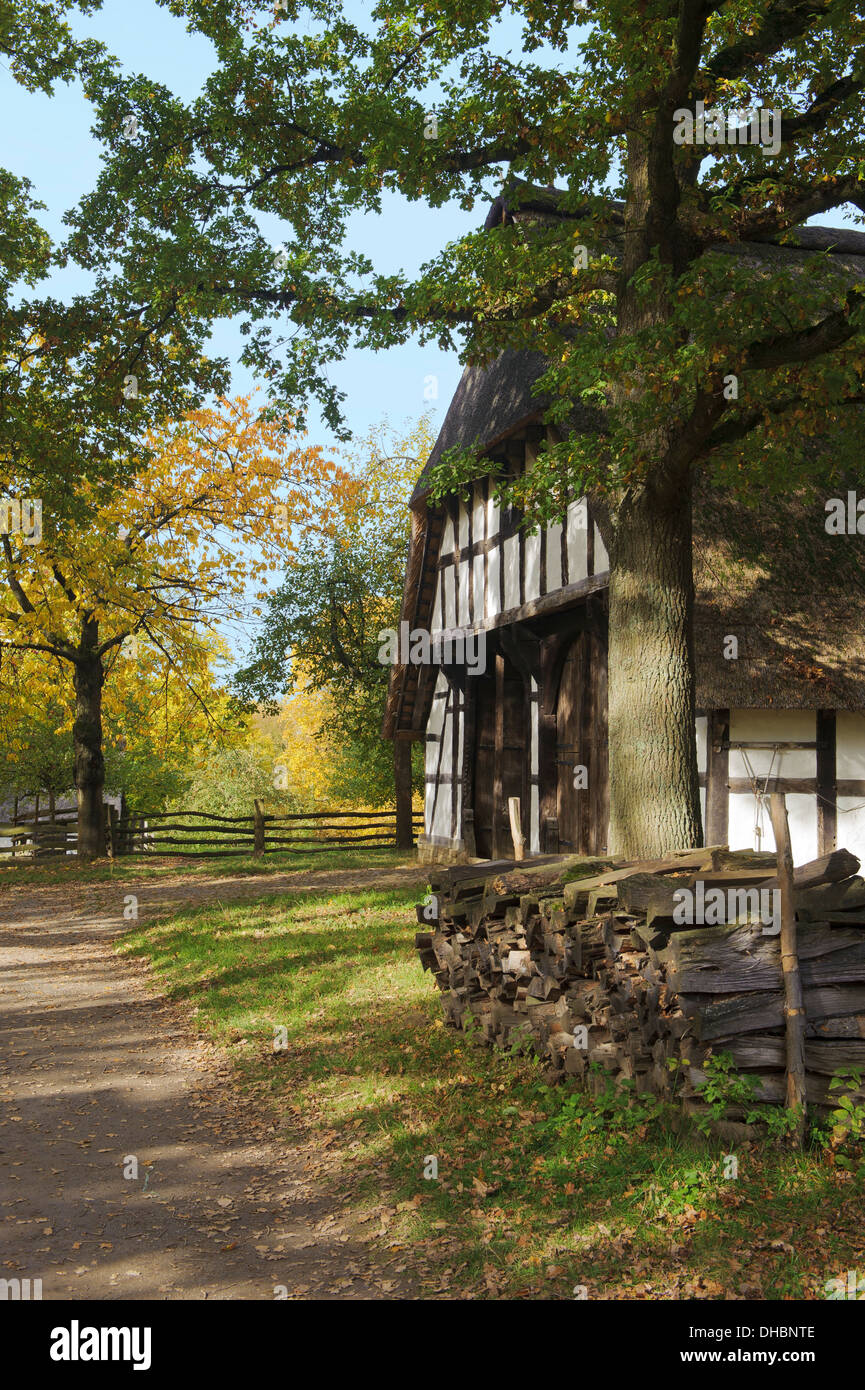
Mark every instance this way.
x=682 y=859
x=827 y=799
x=498 y=755
x=717 y=777
x=828 y=868
x=818 y=903
x=729 y=960
x=516 y=827
x=757 y=1051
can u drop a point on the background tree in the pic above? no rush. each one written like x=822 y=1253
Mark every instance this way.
x=321 y=630
x=157 y=731
x=166 y=558
x=35 y=747
x=608 y=252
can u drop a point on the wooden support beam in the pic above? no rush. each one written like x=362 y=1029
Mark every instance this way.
x=498 y=848
x=717 y=777
x=794 y=1009
x=827 y=789
x=516 y=827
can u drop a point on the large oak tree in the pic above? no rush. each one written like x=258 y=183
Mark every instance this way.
x=609 y=250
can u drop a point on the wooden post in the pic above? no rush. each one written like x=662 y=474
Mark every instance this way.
x=469 y=833
x=403 y=792
x=258 y=845
x=516 y=827
x=794 y=1011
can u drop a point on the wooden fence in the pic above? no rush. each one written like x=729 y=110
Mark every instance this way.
x=38 y=837
x=200 y=834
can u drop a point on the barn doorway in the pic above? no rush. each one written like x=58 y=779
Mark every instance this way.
x=500 y=756
x=583 y=812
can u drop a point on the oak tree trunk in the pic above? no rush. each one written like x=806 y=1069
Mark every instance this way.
x=88 y=678
x=654 y=786
x=403 y=792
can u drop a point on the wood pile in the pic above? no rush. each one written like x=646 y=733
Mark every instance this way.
x=582 y=960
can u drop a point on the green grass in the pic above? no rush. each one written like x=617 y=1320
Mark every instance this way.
x=540 y=1190
x=154 y=867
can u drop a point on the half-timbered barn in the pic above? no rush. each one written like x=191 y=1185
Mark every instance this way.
x=780 y=708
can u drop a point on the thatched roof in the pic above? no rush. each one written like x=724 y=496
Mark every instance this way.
x=489 y=403
x=793 y=595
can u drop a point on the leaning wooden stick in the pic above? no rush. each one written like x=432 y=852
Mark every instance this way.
x=516 y=827
x=794 y=1011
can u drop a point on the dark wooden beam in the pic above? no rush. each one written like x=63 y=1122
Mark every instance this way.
x=498 y=845
x=716 y=829
x=827 y=791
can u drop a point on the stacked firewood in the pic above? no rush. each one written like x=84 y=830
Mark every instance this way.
x=585 y=961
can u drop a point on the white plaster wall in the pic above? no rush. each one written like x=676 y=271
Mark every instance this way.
x=447 y=542
x=602 y=559
x=478 y=590
x=702 y=735
x=493 y=605
x=554 y=558
x=478 y=513
x=511 y=550
x=431 y=755
x=801 y=815
x=577 y=541
x=437 y=623
x=851 y=825
x=533 y=566
x=463 y=615
x=493 y=517
x=437 y=708
x=762 y=726
x=463 y=525
x=449 y=607
x=850 y=752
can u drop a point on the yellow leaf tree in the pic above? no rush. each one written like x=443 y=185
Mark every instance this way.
x=162 y=564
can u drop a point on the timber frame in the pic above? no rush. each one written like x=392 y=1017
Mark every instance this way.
x=537 y=715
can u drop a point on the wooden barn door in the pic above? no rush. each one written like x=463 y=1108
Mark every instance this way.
x=501 y=754
x=581 y=740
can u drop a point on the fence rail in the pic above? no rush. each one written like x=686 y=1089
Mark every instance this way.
x=202 y=834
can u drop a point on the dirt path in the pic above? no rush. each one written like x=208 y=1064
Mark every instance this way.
x=95 y=1070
